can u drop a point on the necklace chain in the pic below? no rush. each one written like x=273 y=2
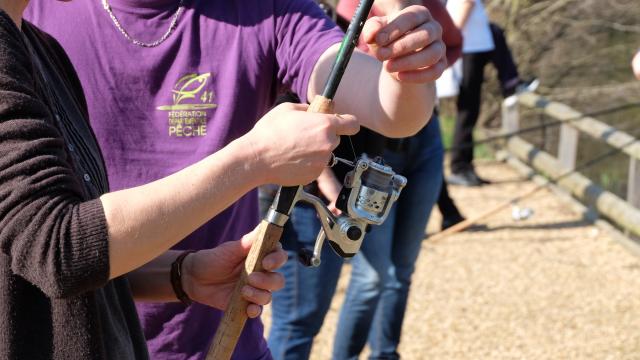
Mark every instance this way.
x=172 y=26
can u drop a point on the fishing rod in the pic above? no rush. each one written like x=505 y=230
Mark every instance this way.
x=553 y=123
x=464 y=225
x=368 y=193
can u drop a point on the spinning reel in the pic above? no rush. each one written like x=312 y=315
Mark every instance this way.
x=369 y=191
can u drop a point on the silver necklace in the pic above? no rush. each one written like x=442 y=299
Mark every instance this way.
x=164 y=37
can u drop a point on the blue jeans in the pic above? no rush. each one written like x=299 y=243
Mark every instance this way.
x=299 y=309
x=377 y=295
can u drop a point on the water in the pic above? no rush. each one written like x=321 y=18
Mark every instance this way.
x=611 y=173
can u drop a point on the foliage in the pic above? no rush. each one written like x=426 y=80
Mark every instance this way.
x=581 y=50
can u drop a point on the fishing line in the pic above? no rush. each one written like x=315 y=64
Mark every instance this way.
x=464 y=225
x=552 y=123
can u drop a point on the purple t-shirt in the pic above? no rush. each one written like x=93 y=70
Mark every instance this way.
x=157 y=110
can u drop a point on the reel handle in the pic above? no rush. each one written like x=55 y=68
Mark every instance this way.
x=305 y=256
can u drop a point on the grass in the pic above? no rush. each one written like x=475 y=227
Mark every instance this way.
x=447 y=126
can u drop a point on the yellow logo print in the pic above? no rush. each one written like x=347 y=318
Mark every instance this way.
x=188 y=114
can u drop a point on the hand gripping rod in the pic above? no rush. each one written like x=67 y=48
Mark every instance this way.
x=270 y=230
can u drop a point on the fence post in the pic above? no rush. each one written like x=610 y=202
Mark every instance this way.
x=568 y=146
x=510 y=115
x=633 y=190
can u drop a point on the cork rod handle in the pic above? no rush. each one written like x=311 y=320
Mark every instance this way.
x=232 y=323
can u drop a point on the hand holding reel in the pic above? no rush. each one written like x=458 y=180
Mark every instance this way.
x=369 y=191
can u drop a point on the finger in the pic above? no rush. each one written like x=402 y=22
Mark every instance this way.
x=293 y=106
x=418 y=60
x=248 y=239
x=334 y=141
x=235 y=252
x=405 y=21
x=334 y=210
x=274 y=260
x=253 y=311
x=271 y=281
x=256 y=296
x=421 y=76
x=416 y=39
x=371 y=28
x=345 y=124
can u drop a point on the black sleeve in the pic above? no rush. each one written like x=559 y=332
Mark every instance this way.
x=52 y=237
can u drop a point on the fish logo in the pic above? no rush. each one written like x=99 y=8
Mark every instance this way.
x=190 y=93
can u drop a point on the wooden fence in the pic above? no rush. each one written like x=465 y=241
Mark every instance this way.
x=623 y=212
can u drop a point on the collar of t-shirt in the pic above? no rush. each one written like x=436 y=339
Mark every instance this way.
x=157 y=5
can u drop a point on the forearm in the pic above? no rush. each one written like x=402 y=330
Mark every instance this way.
x=151 y=282
x=329 y=184
x=379 y=101
x=330 y=187
x=146 y=221
x=462 y=16
x=406 y=107
x=451 y=35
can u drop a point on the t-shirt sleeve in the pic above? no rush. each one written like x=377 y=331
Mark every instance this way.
x=347 y=9
x=303 y=34
x=52 y=237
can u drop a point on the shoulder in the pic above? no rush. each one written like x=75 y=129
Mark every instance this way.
x=15 y=59
x=261 y=16
x=298 y=7
x=240 y=10
x=303 y=16
x=7 y=26
x=302 y=19
x=10 y=37
x=433 y=5
x=13 y=47
x=58 y=56
x=49 y=42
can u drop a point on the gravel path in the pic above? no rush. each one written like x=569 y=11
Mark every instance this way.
x=551 y=287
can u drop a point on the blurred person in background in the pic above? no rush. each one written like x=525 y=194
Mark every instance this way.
x=635 y=64
x=299 y=310
x=484 y=42
x=377 y=294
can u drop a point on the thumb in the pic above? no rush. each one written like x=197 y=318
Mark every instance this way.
x=248 y=240
x=371 y=31
x=236 y=251
x=346 y=124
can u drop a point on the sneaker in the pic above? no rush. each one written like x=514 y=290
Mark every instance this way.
x=466 y=178
x=449 y=221
x=528 y=86
x=522 y=86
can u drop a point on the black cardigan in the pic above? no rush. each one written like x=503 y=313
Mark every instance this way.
x=56 y=300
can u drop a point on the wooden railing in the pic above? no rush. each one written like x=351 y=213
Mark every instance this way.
x=624 y=213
